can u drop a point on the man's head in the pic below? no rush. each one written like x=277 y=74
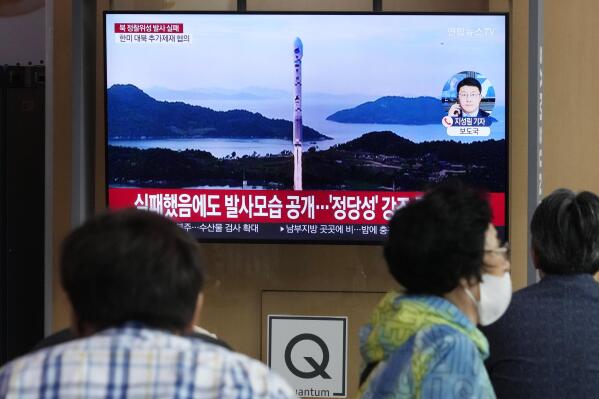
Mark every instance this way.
x=131 y=266
x=469 y=95
x=565 y=233
x=438 y=241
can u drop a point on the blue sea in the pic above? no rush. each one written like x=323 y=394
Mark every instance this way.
x=314 y=116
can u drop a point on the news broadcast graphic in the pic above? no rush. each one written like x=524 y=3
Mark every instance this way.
x=469 y=99
x=301 y=127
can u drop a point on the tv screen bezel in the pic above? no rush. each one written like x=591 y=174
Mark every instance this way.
x=502 y=230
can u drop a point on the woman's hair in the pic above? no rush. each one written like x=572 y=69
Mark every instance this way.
x=435 y=241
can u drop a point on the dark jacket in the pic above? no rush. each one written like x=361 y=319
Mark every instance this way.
x=547 y=343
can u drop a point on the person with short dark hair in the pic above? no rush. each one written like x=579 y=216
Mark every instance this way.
x=469 y=93
x=423 y=341
x=134 y=280
x=547 y=343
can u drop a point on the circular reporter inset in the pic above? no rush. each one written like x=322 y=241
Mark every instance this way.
x=468 y=94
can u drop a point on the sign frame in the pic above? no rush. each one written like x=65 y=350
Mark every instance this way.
x=343 y=319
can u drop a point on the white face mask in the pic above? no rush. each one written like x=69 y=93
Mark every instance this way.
x=495 y=296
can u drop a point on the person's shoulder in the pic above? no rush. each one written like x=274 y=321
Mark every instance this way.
x=213 y=339
x=262 y=380
x=455 y=360
x=446 y=339
x=212 y=362
x=443 y=343
x=557 y=293
x=59 y=337
x=517 y=314
x=29 y=368
x=529 y=291
x=244 y=370
x=442 y=332
x=37 y=357
x=527 y=296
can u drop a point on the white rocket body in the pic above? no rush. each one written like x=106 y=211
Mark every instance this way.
x=298 y=52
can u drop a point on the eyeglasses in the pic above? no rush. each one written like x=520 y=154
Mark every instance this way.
x=504 y=250
x=471 y=95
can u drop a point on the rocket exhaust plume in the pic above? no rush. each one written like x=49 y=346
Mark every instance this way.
x=298 y=52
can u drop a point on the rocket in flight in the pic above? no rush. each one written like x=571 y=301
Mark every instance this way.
x=298 y=52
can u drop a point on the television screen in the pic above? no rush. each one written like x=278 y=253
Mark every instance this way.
x=301 y=127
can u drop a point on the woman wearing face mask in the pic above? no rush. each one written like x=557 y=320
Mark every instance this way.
x=422 y=342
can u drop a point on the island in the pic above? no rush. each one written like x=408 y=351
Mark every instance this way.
x=134 y=115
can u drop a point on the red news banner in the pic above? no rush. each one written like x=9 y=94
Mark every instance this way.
x=147 y=28
x=276 y=206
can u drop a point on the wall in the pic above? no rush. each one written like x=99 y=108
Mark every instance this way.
x=518 y=168
x=571 y=129
x=58 y=156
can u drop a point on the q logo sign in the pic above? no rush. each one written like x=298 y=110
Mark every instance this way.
x=310 y=352
x=317 y=369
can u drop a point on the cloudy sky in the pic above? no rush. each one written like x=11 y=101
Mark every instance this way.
x=372 y=55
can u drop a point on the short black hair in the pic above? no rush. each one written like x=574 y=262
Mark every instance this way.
x=132 y=265
x=469 y=82
x=437 y=240
x=565 y=233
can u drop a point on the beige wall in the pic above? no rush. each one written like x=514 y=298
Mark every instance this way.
x=170 y=5
x=571 y=128
x=518 y=167
x=60 y=219
x=436 y=5
x=311 y=5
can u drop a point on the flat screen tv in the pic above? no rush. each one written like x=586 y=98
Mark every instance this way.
x=303 y=127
